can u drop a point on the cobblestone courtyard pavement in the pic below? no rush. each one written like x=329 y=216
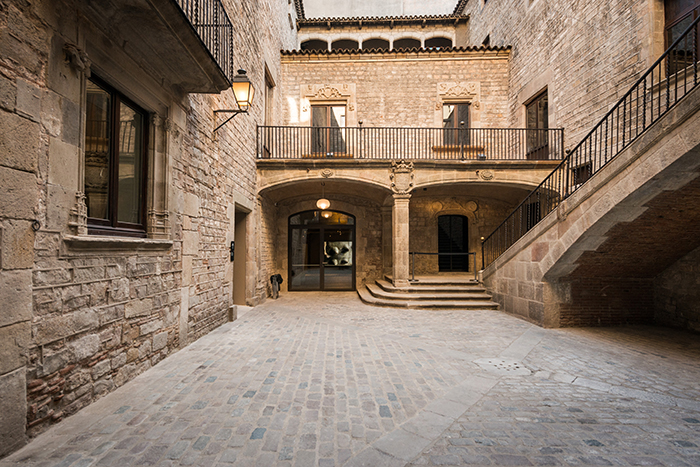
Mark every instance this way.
x=323 y=380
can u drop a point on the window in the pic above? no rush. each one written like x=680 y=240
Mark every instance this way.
x=455 y=124
x=115 y=162
x=537 y=122
x=269 y=97
x=679 y=14
x=328 y=132
x=581 y=174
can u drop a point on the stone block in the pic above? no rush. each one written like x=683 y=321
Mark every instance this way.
x=132 y=354
x=17 y=245
x=85 y=347
x=16 y=293
x=136 y=308
x=71 y=122
x=14 y=342
x=8 y=94
x=18 y=193
x=160 y=340
x=191 y=205
x=145 y=349
x=101 y=368
x=63 y=164
x=119 y=361
x=13 y=406
x=59 y=203
x=19 y=142
x=52 y=329
x=190 y=243
x=21 y=53
x=51 y=112
x=151 y=326
x=53 y=362
x=28 y=100
x=119 y=290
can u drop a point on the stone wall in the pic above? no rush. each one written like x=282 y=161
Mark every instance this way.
x=587 y=54
x=394 y=89
x=84 y=314
x=677 y=293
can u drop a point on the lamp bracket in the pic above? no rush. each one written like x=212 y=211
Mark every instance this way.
x=233 y=111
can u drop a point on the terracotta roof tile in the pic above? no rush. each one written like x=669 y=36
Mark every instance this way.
x=395 y=51
x=383 y=20
x=459 y=8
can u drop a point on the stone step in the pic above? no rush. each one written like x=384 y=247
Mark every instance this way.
x=439 y=281
x=367 y=297
x=422 y=287
x=443 y=294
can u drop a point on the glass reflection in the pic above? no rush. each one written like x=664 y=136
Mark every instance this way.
x=130 y=161
x=97 y=142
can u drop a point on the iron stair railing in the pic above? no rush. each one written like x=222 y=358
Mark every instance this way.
x=659 y=89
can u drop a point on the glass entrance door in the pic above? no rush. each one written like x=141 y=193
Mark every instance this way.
x=337 y=259
x=321 y=251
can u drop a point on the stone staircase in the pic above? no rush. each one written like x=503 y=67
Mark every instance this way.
x=429 y=292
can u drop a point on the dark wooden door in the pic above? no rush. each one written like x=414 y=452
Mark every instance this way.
x=453 y=237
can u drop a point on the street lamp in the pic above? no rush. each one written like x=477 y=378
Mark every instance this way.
x=243 y=92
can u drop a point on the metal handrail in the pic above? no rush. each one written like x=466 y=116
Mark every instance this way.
x=210 y=21
x=656 y=92
x=413 y=260
x=313 y=142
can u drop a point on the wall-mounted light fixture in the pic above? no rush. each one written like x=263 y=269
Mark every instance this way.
x=243 y=91
x=323 y=203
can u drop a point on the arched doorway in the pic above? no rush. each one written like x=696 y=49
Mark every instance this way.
x=453 y=239
x=321 y=251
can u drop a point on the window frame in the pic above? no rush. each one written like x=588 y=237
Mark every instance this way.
x=112 y=226
x=540 y=148
x=456 y=134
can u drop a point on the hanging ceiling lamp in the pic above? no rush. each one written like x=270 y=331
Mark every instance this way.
x=323 y=203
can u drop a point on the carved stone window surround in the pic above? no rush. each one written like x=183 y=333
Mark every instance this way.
x=329 y=94
x=466 y=92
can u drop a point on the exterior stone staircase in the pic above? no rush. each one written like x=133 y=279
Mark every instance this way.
x=429 y=292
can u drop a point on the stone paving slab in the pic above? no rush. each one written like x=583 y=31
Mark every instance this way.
x=324 y=380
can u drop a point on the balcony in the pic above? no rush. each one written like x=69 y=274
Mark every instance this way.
x=184 y=43
x=293 y=142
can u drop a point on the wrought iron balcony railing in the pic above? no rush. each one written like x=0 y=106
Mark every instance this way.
x=213 y=26
x=293 y=142
x=659 y=89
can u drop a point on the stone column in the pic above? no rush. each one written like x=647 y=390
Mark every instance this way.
x=400 y=228
x=386 y=240
x=401 y=177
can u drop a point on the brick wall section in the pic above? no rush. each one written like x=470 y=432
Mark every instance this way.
x=588 y=53
x=608 y=301
x=399 y=90
x=77 y=322
x=677 y=295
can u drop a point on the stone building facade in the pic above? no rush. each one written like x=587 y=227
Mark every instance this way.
x=83 y=313
x=87 y=306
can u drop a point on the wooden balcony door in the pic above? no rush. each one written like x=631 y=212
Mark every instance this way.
x=328 y=132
